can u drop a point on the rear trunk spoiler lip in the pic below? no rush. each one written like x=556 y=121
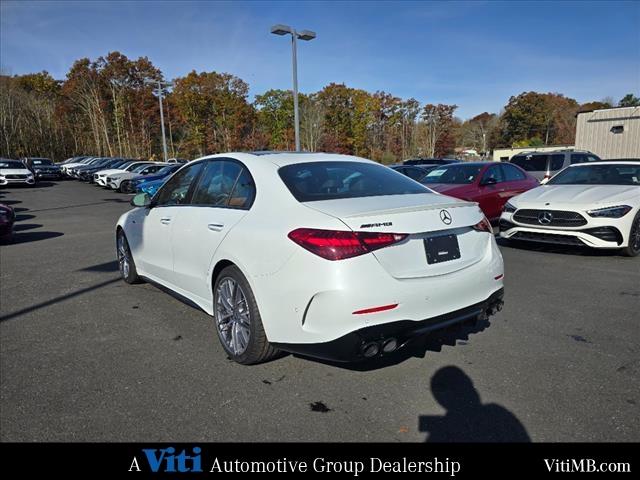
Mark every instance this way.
x=413 y=208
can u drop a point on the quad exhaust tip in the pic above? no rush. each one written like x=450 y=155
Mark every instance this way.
x=371 y=349
x=389 y=345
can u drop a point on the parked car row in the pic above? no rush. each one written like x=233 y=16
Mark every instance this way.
x=120 y=174
x=582 y=200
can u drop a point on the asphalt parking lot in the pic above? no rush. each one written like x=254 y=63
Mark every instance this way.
x=85 y=357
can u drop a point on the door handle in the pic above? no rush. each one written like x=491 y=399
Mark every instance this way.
x=215 y=227
x=165 y=220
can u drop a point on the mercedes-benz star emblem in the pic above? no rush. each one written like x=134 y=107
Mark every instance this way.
x=445 y=217
x=545 y=218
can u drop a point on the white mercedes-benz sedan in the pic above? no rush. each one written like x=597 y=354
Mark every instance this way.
x=331 y=256
x=594 y=204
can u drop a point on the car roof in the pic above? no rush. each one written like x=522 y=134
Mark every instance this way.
x=281 y=159
x=607 y=162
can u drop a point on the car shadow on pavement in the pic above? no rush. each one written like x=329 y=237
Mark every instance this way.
x=58 y=299
x=19 y=227
x=102 y=267
x=117 y=200
x=466 y=418
x=418 y=348
x=559 y=249
x=26 y=237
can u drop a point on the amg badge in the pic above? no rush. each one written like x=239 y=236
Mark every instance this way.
x=371 y=225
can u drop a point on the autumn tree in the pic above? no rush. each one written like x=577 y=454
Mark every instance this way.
x=215 y=111
x=436 y=135
x=476 y=132
x=532 y=116
x=275 y=118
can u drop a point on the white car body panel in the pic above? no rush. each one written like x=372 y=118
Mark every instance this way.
x=580 y=199
x=27 y=180
x=304 y=298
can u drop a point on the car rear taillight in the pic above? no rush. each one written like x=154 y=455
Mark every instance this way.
x=338 y=244
x=483 y=226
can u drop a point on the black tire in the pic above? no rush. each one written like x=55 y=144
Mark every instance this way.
x=126 y=265
x=633 y=249
x=258 y=349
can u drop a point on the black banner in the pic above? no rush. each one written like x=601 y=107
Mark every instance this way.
x=346 y=460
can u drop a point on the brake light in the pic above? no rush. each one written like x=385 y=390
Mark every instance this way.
x=338 y=245
x=483 y=226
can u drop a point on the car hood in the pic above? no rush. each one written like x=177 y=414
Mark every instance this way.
x=150 y=178
x=124 y=175
x=109 y=171
x=72 y=165
x=15 y=171
x=576 y=195
x=46 y=167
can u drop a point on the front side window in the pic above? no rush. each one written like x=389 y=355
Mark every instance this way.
x=225 y=183
x=312 y=181
x=494 y=172
x=176 y=190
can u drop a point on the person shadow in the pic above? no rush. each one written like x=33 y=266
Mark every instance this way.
x=467 y=419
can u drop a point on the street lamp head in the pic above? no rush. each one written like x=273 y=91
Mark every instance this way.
x=281 y=29
x=306 y=35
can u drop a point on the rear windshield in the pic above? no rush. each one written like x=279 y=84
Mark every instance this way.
x=617 y=174
x=456 y=174
x=531 y=163
x=313 y=181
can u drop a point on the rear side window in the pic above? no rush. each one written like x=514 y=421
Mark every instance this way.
x=557 y=162
x=511 y=173
x=225 y=184
x=531 y=163
x=313 y=181
x=578 y=158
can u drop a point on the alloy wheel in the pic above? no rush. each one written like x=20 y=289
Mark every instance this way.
x=233 y=318
x=123 y=256
x=634 y=238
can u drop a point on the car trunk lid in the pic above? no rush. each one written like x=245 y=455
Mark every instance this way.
x=421 y=216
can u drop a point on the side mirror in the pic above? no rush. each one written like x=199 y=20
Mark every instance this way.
x=489 y=181
x=141 y=200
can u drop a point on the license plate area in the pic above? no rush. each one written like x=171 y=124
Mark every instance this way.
x=443 y=248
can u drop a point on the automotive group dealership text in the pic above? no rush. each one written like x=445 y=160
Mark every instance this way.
x=167 y=461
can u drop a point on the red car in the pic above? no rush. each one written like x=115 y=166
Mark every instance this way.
x=490 y=184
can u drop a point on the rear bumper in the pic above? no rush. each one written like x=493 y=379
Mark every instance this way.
x=352 y=346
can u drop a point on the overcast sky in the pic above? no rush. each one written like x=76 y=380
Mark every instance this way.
x=473 y=54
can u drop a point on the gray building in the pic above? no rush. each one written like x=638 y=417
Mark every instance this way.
x=610 y=133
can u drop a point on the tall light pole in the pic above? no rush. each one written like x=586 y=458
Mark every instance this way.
x=305 y=35
x=160 y=85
